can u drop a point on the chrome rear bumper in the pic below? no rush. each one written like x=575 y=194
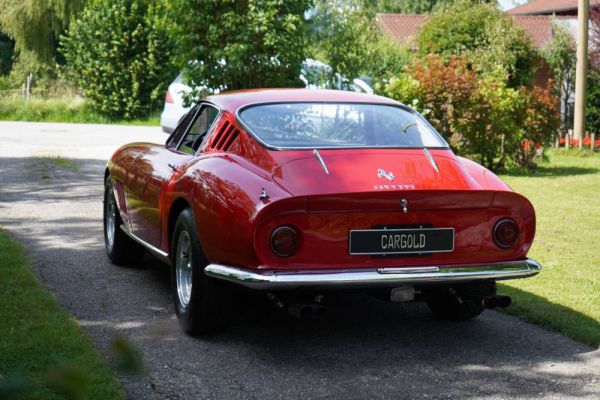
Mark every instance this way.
x=413 y=276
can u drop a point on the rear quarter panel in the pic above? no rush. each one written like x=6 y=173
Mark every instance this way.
x=224 y=191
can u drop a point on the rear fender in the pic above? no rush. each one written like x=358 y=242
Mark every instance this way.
x=522 y=211
x=485 y=178
x=225 y=199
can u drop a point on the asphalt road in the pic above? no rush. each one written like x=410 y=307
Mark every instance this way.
x=362 y=348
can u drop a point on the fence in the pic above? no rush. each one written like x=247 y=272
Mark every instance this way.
x=26 y=90
x=589 y=140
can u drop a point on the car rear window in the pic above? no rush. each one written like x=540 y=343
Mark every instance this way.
x=338 y=125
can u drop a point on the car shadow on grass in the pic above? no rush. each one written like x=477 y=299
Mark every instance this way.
x=534 y=308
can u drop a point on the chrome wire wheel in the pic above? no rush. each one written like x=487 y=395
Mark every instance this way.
x=111 y=218
x=183 y=269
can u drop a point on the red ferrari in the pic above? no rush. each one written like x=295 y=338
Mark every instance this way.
x=303 y=191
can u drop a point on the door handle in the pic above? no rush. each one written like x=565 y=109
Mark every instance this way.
x=174 y=167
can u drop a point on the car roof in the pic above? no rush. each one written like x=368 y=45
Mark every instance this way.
x=232 y=101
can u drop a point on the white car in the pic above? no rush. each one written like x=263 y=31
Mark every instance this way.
x=174 y=109
x=314 y=74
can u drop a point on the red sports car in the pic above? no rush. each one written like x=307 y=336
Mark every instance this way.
x=303 y=191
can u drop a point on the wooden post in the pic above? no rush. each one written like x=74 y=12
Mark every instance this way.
x=567 y=141
x=583 y=14
x=29 y=80
x=592 y=142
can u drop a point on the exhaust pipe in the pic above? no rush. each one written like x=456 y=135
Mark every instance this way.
x=497 y=301
x=315 y=309
x=306 y=310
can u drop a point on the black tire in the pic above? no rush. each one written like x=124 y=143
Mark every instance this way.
x=207 y=308
x=459 y=302
x=121 y=250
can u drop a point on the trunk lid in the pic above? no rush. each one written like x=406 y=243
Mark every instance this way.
x=372 y=170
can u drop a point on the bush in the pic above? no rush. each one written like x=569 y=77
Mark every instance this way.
x=385 y=60
x=119 y=53
x=487 y=130
x=539 y=120
x=486 y=36
x=442 y=91
x=479 y=115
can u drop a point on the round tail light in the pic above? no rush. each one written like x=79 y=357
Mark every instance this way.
x=285 y=241
x=506 y=233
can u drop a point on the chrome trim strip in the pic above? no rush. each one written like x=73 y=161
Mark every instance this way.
x=318 y=155
x=256 y=279
x=407 y=270
x=198 y=104
x=185 y=132
x=431 y=159
x=154 y=250
x=212 y=126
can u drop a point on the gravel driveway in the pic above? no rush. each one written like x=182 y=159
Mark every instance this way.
x=362 y=348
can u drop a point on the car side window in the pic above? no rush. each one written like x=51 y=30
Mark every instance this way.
x=181 y=128
x=195 y=136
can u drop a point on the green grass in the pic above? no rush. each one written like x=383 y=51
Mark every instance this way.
x=44 y=354
x=565 y=296
x=64 y=163
x=61 y=109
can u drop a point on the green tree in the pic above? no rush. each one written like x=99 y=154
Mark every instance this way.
x=228 y=45
x=592 y=115
x=346 y=38
x=341 y=36
x=372 y=7
x=484 y=35
x=403 y=6
x=35 y=26
x=560 y=55
x=119 y=53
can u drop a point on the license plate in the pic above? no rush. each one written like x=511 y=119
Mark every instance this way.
x=401 y=241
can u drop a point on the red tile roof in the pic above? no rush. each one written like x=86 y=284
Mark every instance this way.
x=538 y=7
x=403 y=28
x=539 y=28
